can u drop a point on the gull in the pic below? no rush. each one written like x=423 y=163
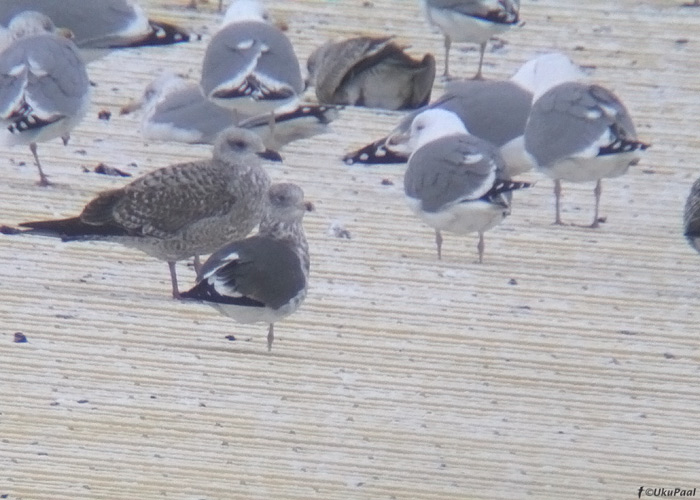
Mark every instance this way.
x=250 y=65
x=371 y=72
x=472 y=21
x=262 y=278
x=100 y=25
x=691 y=216
x=44 y=87
x=581 y=132
x=179 y=211
x=493 y=110
x=454 y=181
x=176 y=110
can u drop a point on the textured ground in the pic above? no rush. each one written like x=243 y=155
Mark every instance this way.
x=564 y=367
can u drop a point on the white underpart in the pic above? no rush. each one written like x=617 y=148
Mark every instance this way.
x=250 y=314
x=433 y=124
x=461 y=27
x=516 y=158
x=461 y=218
x=586 y=165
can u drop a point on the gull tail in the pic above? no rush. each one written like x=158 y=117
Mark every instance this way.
x=161 y=34
x=205 y=292
x=375 y=153
x=71 y=229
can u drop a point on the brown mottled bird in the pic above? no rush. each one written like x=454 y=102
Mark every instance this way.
x=371 y=72
x=179 y=211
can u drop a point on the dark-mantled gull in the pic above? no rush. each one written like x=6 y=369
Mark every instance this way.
x=180 y=211
x=44 y=87
x=176 y=110
x=100 y=25
x=262 y=278
x=691 y=216
x=371 y=72
x=454 y=181
x=581 y=132
x=472 y=21
x=493 y=110
x=250 y=65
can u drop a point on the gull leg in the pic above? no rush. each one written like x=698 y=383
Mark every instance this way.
x=43 y=180
x=482 y=49
x=173 y=279
x=438 y=242
x=270 y=336
x=557 y=197
x=480 y=247
x=197 y=265
x=597 y=192
x=221 y=5
x=448 y=43
x=192 y=4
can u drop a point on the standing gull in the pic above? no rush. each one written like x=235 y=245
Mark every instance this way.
x=179 y=211
x=581 y=133
x=691 y=216
x=44 y=88
x=472 y=21
x=493 y=110
x=454 y=181
x=100 y=25
x=262 y=278
x=371 y=72
x=176 y=110
x=250 y=65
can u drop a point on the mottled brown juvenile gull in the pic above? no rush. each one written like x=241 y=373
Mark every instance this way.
x=176 y=110
x=262 y=278
x=99 y=25
x=472 y=21
x=371 y=72
x=44 y=88
x=178 y=211
x=454 y=181
x=250 y=65
x=581 y=132
x=493 y=110
x=691 y=216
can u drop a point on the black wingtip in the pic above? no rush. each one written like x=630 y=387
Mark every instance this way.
x=270 y=155
x=161 y=34
x=374 y=154
x=71 y=229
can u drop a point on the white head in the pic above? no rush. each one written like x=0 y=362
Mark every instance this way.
x=245 y=10
x=29 y=23
x=433 y=124
x=543 y=72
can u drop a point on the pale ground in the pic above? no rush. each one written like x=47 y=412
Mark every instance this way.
x=564 y=367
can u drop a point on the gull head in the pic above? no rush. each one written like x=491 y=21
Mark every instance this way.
x=545 y=71
x=433 y=124
x=286 y=203
x=30 y=23
x=245 y=10
x=238 y=146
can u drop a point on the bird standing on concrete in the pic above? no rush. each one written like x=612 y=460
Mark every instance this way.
x=263 y=278
x=179 y=211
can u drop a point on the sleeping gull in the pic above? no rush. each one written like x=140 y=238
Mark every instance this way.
x=371 y=72
x=454 y=181
x=691 y=216
x=581 y=132
x=250 y=65
x=179 y=211
x=176 y=110
x=262 y=278
x=472 y=21
x=493 y=110
x=44 y=88
x=100 y=25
